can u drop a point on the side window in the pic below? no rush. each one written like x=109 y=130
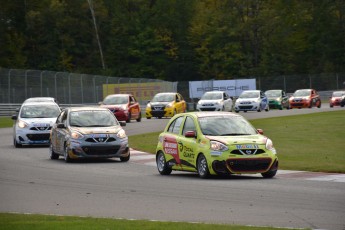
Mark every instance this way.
x=175 y=125
x=188 y=125
x=225 y=97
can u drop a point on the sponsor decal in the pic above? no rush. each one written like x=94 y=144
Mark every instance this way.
x=247 y=146
x=215 y=153
x=170 y=148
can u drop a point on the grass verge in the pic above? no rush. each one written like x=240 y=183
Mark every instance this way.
x=6 y=122
x=311 y=142
x=36 y=222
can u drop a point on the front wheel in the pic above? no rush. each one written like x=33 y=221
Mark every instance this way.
x=129 y=118
x=66 y=155
x=16 y=144
x=162 y=165
x=319 y=104
x=202 y=167
x=53 y=155
x=269 y=174
x=125 y=159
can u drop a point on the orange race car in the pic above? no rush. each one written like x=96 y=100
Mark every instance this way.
x=336 y=98
x=305 y=98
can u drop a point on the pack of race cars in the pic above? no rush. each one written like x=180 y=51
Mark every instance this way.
x=209 y=141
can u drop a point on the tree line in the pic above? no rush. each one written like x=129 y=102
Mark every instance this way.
x=174 y=40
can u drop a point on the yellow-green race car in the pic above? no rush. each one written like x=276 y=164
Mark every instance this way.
x=214 y=143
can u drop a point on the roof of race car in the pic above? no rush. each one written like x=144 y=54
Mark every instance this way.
x=213 y=114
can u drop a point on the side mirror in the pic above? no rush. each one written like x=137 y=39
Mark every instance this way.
x=122 y=123
x=190 y=134
x=61 y=126
x=260 y=131
x=14 y=117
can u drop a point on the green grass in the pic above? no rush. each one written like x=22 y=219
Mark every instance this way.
x=311 y=142
x=6 y=122
x=37 y=222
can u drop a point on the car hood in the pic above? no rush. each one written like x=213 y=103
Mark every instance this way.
x=114 y=106
x=160 y=103
x=92 y=130
x=274 y=98
x=304 y=98
x=235 y=140
x=210 y=101
x=50 y=121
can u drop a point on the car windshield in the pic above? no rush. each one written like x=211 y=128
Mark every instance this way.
x=249 y=94
x=273 y=93
x=115 y=100
x=39 y=111
x=163 y=97
x=92 y=118
x=211 y=96
x=225 y=126
x=301 y=93
x=338 y=94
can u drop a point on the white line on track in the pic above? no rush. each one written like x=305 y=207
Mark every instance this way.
x=148 y=159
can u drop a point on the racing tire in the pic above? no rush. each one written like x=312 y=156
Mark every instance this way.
x=310 y=105
x=162 y=165
x=237 y=111
x=267 y=108
x=259 y=109
x=125 y=159
x=148 y=118
x=16 y=144
x=319 y=105
x=139 y=118
x=202 y=167
x=66 y=155
x=331 y=106
x=129 y=118
x=53 y=155
x=269 y=174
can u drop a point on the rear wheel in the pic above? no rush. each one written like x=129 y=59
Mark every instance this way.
x=129 y=118
x=202 y=167
x=139 y=118
x=53 y=155
x=162 y=165
x=319 y=104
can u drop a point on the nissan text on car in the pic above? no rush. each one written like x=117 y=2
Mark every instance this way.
x=88 y=132
x=165 y=105
x=215 y=101
x=33 y=123
x=124 y=106
x=305 y=98
x=336 y=98
x=277 y=99
x=214 y=143
x=252 y=100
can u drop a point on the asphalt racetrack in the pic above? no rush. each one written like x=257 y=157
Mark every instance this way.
x=32 y=183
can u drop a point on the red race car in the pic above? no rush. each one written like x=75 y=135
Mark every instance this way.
x=336 y=98
x=305 y=98
x=124 y=106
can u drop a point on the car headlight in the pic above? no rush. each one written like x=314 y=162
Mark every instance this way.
x=121 y=134
x=269 y=146
x=76 y=135
x=218 y=146
x=148 y=105
x=22 y=124
x=169 y=105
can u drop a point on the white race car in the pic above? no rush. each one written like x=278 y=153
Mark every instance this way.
x=215 y=101
x=252 y=100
